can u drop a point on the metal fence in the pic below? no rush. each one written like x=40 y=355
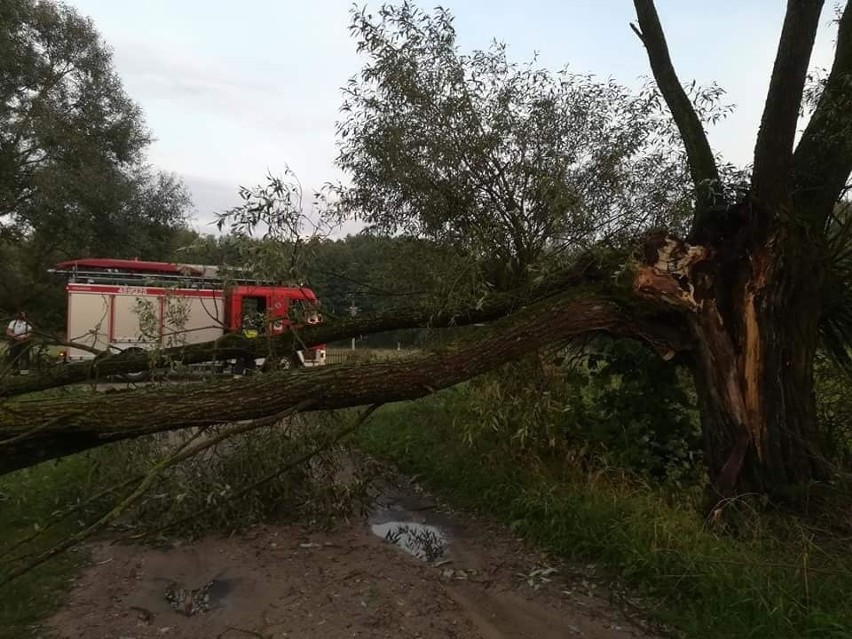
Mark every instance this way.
x=363 y=355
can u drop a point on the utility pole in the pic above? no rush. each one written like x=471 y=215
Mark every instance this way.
x=353 y=310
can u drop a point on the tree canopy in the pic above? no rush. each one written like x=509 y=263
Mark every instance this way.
x=73 y=176
x=513 y=163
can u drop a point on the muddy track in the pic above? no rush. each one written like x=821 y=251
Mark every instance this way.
x=411 y=570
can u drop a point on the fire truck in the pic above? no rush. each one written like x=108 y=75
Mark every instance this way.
x=133 y=305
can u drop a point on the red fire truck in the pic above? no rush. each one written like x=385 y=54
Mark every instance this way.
x=119 y=305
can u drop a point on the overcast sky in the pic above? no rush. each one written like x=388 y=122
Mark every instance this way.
x=233 y=88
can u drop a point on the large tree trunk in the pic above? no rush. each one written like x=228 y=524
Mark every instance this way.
x=754 y=366
x=755 y=390
x=754 y=299
x=754 y=290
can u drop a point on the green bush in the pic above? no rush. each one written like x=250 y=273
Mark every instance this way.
x=202 y=495
x=834 y=411
x=28 y=498
x=613 y=404
x=207 y=492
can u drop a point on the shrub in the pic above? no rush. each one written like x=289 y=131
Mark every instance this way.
x=612 y=404
x=206 y=493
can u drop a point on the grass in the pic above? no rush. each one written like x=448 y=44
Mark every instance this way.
x=761 y=583
x=28 y=498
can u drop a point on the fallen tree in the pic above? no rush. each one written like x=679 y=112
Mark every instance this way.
x=742 y=293
x=37 y=431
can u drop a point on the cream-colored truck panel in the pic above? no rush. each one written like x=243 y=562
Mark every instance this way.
x=191 y=320
x=126 y=327
x=88 y=321
x=123 y=320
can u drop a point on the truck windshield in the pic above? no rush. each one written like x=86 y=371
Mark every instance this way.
x=253 y=313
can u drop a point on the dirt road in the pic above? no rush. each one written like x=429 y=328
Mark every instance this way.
x=410 y=570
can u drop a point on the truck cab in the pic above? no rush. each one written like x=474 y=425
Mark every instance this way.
x=257 y=310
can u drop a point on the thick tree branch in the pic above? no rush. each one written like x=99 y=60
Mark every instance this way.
x=231 y=346
x=773 y=153
x=823 y=159
x=40 y=431
x=702 y=164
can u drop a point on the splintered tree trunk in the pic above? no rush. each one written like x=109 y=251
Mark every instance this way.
x=752 y=276
x=751 y=292
x=756 y=331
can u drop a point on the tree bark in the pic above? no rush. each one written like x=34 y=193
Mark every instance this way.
x=823 y=158
x=702 y=163
x=773 y=154
x=754 y=311
x=754 y=371
x=752 y=282
x=34 y=432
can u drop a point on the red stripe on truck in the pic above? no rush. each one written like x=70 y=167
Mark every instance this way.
x=139 y=291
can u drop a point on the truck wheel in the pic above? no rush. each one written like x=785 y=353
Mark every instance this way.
x=139 y=376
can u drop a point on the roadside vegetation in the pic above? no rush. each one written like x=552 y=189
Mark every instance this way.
x=295 y=471
x=28 y=499
x=595 y=463
x=580 y=452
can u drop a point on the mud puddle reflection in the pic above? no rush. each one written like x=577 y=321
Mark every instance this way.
x=409 y=522
x=425 y=542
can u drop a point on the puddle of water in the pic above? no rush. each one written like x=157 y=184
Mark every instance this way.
x=220 y=590
x=425 y=542
x=193 y=601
